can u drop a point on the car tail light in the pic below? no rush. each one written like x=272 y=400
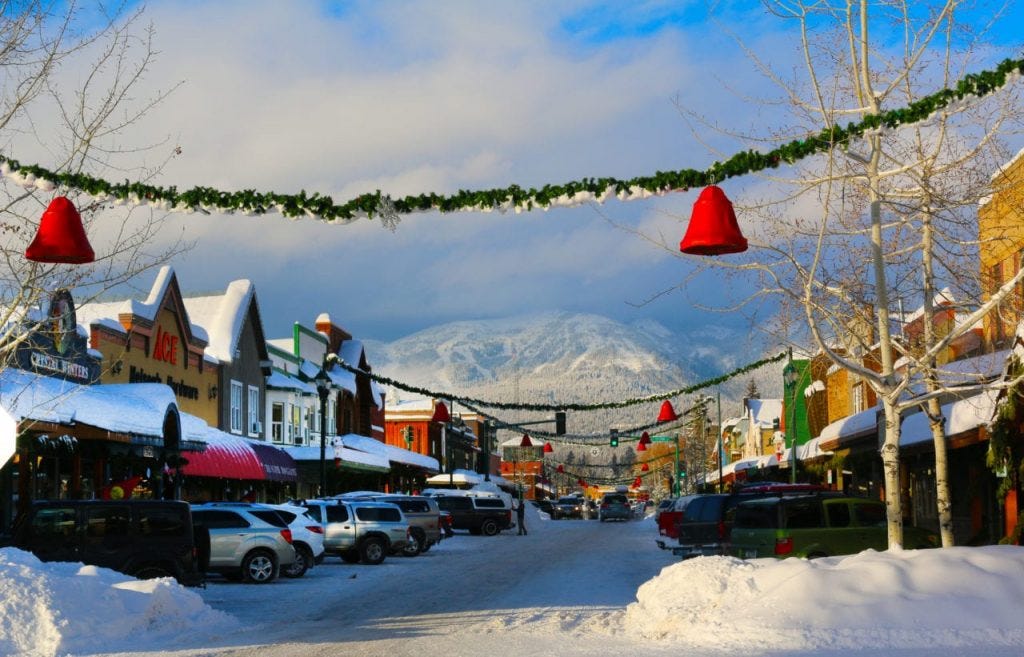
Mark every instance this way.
x=316 y=529
x=721 y=529
x=287 y=533
x=783 y=545
x=605 y=506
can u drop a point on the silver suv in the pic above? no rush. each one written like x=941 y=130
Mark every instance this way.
x=423 y=515
x=247 y=542
x=360 y=530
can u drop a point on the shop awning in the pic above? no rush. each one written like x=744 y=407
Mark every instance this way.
x=277 y=464
x=224 y=460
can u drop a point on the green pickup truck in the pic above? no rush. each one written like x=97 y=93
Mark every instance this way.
x=814 y=526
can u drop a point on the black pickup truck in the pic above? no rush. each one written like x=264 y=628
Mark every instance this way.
x=706 y=526
x=480 y=515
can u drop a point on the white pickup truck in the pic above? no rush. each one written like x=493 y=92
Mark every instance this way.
x=360 y=530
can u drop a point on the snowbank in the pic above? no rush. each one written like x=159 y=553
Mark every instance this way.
x=49 y=609
x=953 y=597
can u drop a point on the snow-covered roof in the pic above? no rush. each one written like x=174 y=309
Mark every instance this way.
x=390 y=452
x=282 y=381
x=312 y=453
x=943 y=297
x=222 y=316
x=309 y=369
x=104 y=314
x=351 y=351
x=962 y=415
x=852 y=425
x=765 y=411
x=419 y=404
x=127 y=408
x=342 y=378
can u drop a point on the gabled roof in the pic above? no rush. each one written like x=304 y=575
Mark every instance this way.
x=223 y=317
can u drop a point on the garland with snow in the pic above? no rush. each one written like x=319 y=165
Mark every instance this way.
x=514 y=197
x=509 y=406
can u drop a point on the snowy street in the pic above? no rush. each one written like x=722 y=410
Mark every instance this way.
x=571 y=587
x=471 y=595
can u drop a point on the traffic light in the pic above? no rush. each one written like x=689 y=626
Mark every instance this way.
x=559 y=423
x=613 y=440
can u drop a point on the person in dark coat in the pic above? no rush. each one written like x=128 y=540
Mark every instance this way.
x=521 y=517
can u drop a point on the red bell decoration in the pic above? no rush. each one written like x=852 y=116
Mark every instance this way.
x=644 y=467
x=645 y=438
x=641 y=446
x=560 y=468
x=61 y=236
x=667 y=413
x=548 y=448
x=713 y=229
x=526 y=442
x=441 y=414
x=637 y=483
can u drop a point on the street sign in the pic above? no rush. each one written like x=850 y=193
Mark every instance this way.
x=662 y=439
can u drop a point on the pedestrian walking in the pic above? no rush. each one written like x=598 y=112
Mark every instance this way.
x=521 y=517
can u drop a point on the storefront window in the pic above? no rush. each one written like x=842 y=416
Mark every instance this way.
x=277 y=422
x=296 y=424
x=236 y=407
x=254 y=411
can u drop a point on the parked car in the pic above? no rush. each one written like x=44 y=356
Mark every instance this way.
x=706 y=523
x=567 y=506
x=142 y=538
x=614 y=506
x=479 y=514
x=815 y=526
x=544 y=505
x=360 y=530
x=422 y=512
x=248 y=542
x=668 y=517
x=446 y=524
x=307 y=538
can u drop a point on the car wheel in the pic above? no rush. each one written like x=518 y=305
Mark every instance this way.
x=417 y=541
x=372 y=551
x=259 y=567
x=151 y=572
x=303 y=562
x=350 y=556
x=489 y=527
x=426 y=546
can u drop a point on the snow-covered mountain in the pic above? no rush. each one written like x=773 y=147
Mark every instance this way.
x=559 y=357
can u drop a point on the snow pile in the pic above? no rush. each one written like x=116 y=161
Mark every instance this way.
x=966 y=597
x=51 y=609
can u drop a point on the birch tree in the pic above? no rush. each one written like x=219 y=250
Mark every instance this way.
x=69 y=91
x=883 y=217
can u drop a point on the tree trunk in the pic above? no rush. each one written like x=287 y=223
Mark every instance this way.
x=891 y=473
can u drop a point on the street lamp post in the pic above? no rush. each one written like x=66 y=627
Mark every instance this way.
x=323 y=389
x=721 y=445
x=789 y=378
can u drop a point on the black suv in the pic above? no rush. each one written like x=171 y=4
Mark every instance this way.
x=480 y=515
x=705 y=528
x=142 y=538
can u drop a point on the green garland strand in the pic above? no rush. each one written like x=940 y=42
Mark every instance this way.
x=468 y=401
x=323 y=207
x=630 y=435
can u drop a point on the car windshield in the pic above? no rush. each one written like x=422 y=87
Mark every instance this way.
x=568 y=500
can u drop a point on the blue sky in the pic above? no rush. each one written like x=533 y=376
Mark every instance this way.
x=411 y=97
